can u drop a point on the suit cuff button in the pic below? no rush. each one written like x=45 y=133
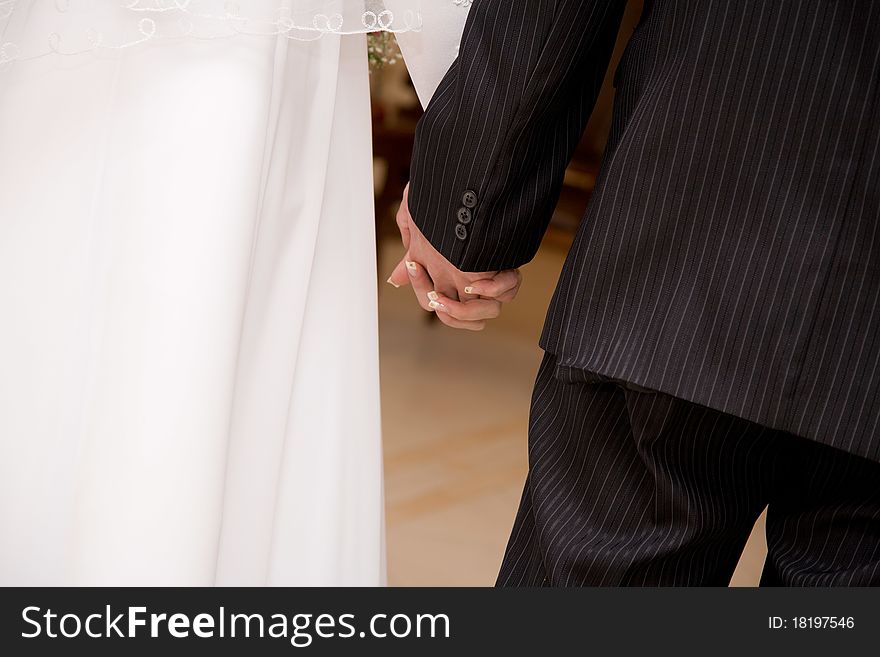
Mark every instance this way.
x=469 y=200
x=464 y=216
x=461 y=232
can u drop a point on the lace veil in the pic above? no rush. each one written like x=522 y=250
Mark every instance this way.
x=31 y=29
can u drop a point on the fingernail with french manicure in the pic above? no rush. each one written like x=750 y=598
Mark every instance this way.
x=436 y=305
x=433 y=296
x=411 y=268
x=468 y=290
x=390 y=282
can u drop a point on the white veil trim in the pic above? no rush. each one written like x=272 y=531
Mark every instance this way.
x=30 y=29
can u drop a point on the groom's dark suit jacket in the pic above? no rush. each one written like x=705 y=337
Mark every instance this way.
x=730 y=254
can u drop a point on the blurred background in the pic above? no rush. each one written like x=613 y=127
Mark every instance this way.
x=455 y=403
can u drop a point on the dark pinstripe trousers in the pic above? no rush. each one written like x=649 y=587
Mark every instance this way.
x=630 y=487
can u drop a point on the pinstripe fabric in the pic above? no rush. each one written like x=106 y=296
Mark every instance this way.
x=730 y=254
x=632 y=487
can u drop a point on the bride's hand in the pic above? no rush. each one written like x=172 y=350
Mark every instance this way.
x=485 y=297
x=460 y=299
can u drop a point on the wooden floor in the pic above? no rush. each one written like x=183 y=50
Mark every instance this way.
x=455 y=408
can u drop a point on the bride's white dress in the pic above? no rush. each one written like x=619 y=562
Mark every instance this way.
x=188 y=332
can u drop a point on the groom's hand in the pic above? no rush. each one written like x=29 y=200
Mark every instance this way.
x=460 y=299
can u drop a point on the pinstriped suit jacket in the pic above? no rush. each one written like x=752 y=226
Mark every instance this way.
x=730 y=254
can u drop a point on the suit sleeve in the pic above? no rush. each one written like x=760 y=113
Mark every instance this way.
x=492 y=147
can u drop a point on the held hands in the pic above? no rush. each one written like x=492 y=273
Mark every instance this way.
x=460 y=299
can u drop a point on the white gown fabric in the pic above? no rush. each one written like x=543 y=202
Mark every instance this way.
x=188 y=341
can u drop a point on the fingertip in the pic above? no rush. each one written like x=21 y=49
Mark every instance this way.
x=398 y=277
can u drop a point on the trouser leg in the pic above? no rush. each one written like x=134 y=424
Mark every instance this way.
x=632 y=487
x=823 y=523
